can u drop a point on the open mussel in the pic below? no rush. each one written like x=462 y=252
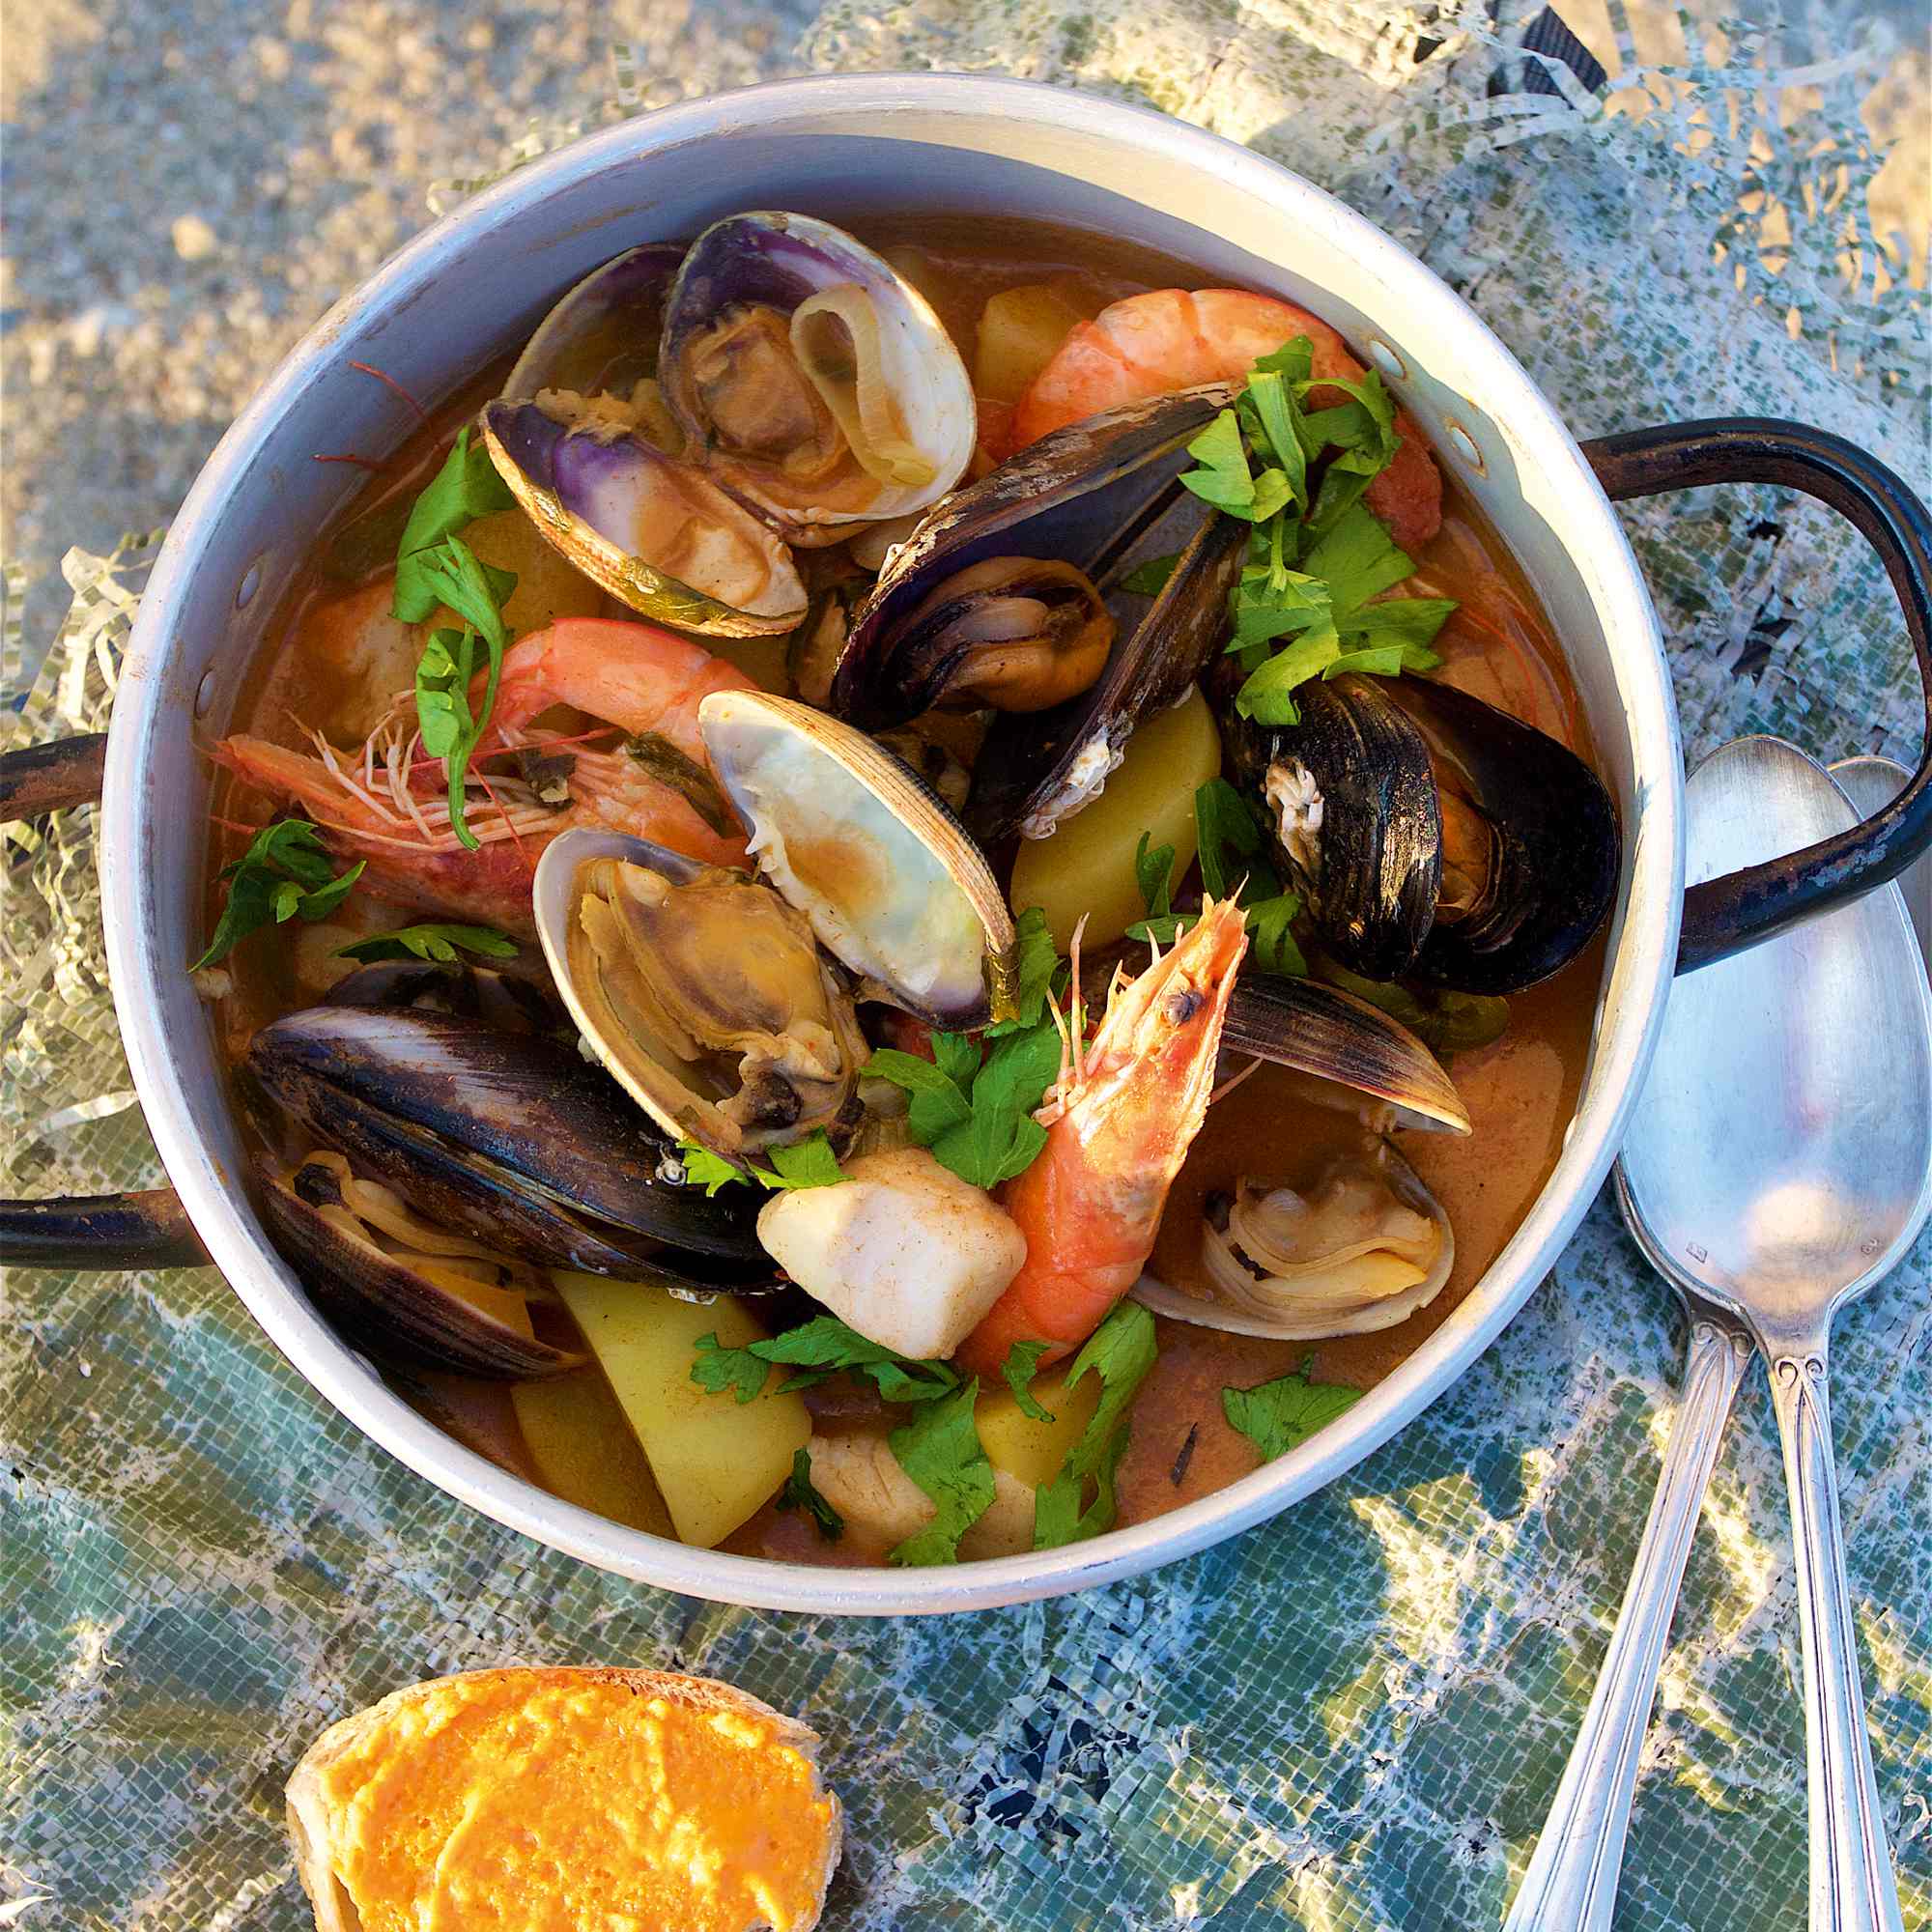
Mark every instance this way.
x=1359 y=1244
x=810 y=380
x=1094 y=497
x=892 y=885
x=507 y=1137
x=1435 y=837
x=409 y=1289
x=703 y=991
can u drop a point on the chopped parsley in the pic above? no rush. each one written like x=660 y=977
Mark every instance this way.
x=1280 y=1415
x=1316 y=554
x=800 y=1493
x=975 y=1116
x=1079 y=1501
x=465 y=488
x=1021 y=1365
x=940 y=1449
x=450 y=662
x=286 y=873
x=436 y=942
x=820 y=1349
x=1230 y=847
x=1039 y=967
x=806 y=1163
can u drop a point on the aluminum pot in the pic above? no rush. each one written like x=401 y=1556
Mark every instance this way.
x=475 y=285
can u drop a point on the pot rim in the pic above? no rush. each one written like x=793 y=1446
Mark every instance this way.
x=1637 y=970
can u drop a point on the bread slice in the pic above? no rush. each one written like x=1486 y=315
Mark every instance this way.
x=555 y=1799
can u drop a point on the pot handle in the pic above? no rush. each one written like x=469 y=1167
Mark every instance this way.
x=85 y=1231
x=1742 y=909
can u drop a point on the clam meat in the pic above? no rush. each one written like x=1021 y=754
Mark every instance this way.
x=1360 y=1244
x=703 y=992
x=810 y=380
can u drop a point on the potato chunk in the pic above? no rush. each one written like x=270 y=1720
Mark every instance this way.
x=861 y=1478
x=1031 y=1449
x=905 y=1252
x=1087 y=865
x=715 y=1460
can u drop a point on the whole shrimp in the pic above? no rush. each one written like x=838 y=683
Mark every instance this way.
x=1118 y=1123
x=1168 y=339
x=385 y=801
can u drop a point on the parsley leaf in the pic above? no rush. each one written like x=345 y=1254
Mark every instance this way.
x=1224 y=478
x=1230 y=839
x=800 y=1493
x=1149 y=578
x=978 y=1119
x=821 y=1348
x=1279 y=1415
x=1271 y=944
x=1267 y=697
x=431 y=942
x=806 y=1163
x=448 y=664
x=1039 y=966
x=940 y=1450
x=466 y=487
x=1021 y=1365
x=1120 y=1351
x=286 y=870
x=707 y=1170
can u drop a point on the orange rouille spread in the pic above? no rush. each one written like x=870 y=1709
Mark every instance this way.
x=577 y=1805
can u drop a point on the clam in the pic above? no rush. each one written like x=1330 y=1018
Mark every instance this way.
x=810 y=380
x=701 y=990
x=1435 y=837
x=1360 y=1244
x=406 y=1287
x=602 y=337
x=891 y=883
x=653 y=532
x=507 y=1137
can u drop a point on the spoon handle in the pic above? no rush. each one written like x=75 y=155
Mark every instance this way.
x=1852 y=1885
x=1571 y=1885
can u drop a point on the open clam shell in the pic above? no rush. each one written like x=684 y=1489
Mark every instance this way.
x=407 y=1288
x=892 y=882
x=811 y=379
x=653 y=532
x=602 y=337
x=508 y=1137
x=703 y=992
x=1360 y=1248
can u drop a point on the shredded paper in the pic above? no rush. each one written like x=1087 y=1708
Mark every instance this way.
x=1349 y=1719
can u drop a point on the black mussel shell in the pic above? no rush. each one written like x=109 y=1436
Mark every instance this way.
x=1554 y=848
x=1393 y=761
x=379 y=1300
x=511 y=1137
x=1084 y=494
x=507 y=1001
x=1039 y=767
x=1371 y=873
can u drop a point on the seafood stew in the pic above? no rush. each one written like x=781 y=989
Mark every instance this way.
x=927 y=901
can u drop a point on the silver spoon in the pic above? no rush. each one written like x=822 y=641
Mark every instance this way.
x=1778 y=1161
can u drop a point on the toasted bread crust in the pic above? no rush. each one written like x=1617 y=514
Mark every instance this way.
x=312 y=1821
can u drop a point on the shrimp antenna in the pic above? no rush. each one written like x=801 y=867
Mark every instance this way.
x=1076 y=1008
